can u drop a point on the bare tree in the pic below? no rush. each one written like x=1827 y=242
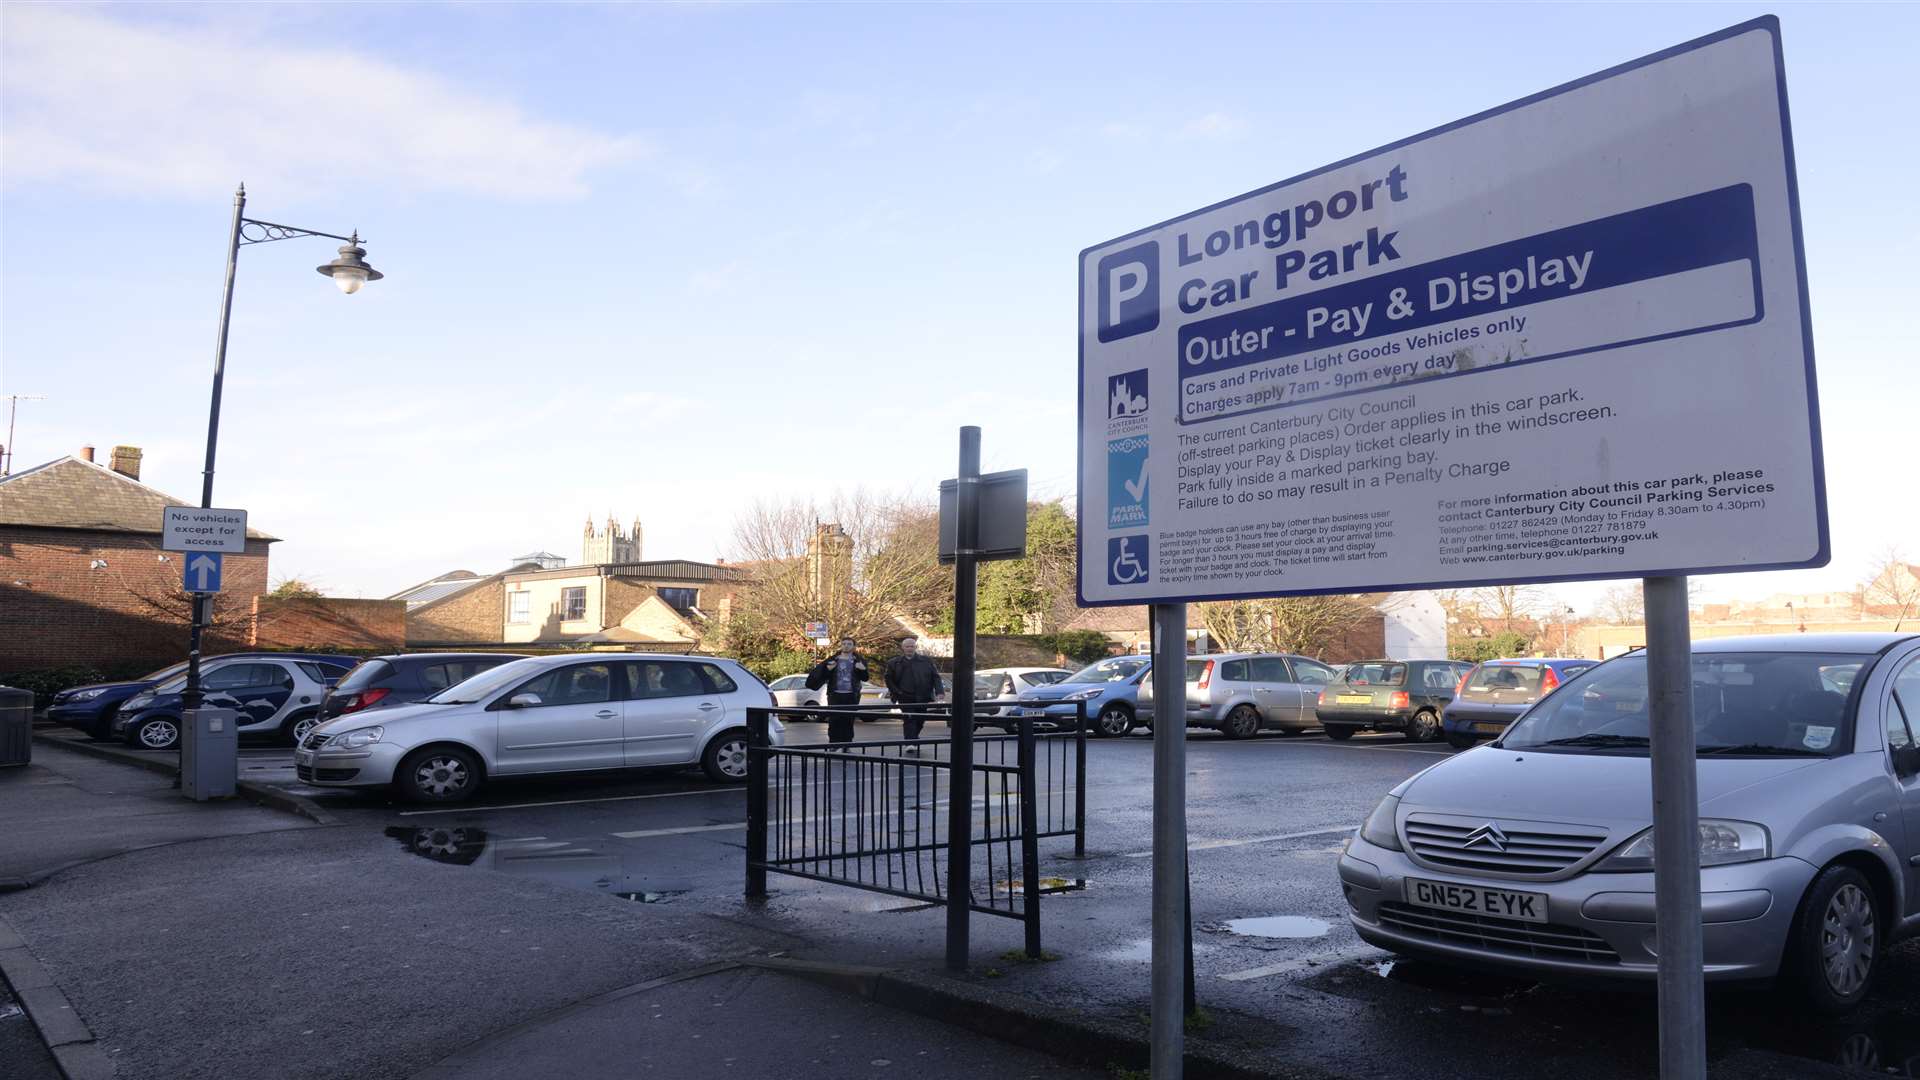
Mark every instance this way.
x=1301 y=624
x=884 y=568
x=1508 y=604
x=1892 y=584
x=1623 y=604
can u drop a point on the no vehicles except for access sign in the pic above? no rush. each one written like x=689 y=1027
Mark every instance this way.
x=193 y=528
x=1565 y=338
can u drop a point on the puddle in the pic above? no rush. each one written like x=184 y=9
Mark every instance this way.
x=1141 y=951
x=1279 y=926
x=458 y=846
x=652 y=897
x=572 y=863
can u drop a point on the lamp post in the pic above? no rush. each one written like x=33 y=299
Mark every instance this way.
x=349 y=270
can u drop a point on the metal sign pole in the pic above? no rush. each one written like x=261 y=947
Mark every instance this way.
x=960 y=783
x=1676 y=831
x=1169 y=839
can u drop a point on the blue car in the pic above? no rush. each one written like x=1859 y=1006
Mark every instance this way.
x=1496 y=692
x=1110 y=688
x=271 y=694
x=91 y=708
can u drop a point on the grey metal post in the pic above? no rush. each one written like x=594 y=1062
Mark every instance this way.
x=1169 y=839
x=960 y=783
x=1676 y=831
x=190 y=695
x=757 y=742
x=1029 y=839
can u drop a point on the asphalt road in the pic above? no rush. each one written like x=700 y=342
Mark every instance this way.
x=1266 y=819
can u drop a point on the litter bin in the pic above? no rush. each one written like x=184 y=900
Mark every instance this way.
x=209 y=754
x=16 y=726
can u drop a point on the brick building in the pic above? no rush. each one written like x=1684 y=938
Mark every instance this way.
x=83 y=580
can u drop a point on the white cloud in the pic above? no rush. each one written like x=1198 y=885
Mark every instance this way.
x=163 y=109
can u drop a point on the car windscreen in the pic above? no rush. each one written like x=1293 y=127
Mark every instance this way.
x=1376 y=674
x=1112 y=669
x=1508 y=683
x=488 y=682
x=1195 y=669
x=365 y=675
x=1755 y=704
x=167 y=672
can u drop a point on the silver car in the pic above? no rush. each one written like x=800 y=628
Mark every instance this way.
x=1534 y=853
x=1244 y=693
x=542 y=715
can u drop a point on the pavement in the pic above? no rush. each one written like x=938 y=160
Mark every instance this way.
x=400 y=938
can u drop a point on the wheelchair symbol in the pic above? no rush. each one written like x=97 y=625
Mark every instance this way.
x=1129 y=561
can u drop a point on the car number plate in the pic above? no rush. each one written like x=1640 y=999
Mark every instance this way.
x=1355 y=699
x=1478 y=900
x=1495 y=728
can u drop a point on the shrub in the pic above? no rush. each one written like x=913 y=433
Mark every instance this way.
x=1083 y=646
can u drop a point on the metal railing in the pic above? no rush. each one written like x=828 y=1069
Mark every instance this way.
x=874 y=814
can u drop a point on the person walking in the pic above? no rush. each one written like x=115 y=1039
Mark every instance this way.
x=913 y=680
x=841 y=675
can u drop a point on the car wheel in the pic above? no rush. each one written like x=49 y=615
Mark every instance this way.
x=1460 y=740
x=1836 y=941
x=440 y=774
x=1114 y=722
x=295 y=730
x=1339 y=732
x=1242 y=723
x=1423 y=727
x=725 y=759
x=155 y=733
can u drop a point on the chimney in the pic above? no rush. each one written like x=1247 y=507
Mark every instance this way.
x=125 y=461
x=86 y=452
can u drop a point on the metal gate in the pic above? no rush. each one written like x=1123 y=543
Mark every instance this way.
x=874 y=815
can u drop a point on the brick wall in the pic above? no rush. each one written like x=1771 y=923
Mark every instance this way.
x=325 y=622
x=58 y=610
x=471 y=617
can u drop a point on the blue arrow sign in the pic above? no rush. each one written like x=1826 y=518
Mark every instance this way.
x=201 y=573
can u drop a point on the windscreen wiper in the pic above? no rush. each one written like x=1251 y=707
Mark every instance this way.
x=1596 y=738
x=1758 y=749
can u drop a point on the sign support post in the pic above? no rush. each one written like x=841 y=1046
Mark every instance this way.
x=1169 y=839
x=1676 y=831
x=960 y=779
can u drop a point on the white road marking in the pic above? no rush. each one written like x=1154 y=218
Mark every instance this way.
x=1316 y=960
x=570 y=802
x=638 y=834
x=1363 y=746
x=1204 y=845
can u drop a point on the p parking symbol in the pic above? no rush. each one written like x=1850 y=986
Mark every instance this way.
x=1130 y=291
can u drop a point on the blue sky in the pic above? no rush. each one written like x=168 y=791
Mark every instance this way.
x=667 y=260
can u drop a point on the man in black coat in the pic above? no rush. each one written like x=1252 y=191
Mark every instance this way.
x=841 y=675
x=912 y=681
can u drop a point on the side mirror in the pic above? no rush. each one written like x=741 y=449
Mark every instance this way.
x=523 y=701
x=1906 y=760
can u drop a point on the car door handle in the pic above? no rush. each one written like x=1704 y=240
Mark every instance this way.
x=605 y=714
x=708 y=706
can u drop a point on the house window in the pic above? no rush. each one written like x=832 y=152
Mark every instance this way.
x=573 y=604
x=680 y=599
x=519 y=607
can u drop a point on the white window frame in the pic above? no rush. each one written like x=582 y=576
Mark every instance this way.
x=519 y=607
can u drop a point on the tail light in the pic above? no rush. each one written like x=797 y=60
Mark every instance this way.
x=365 y=699
x=1401 y=700
x=1461 y=687
x=1549 y=681
x=1206 y=675
x=1321 y=699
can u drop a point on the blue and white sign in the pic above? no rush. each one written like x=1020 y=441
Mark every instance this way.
x=1565 y=338
x=200 y=572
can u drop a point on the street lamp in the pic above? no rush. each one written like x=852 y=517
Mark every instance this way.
x=349 y=271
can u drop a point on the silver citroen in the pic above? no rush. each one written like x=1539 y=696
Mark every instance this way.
x=1534 y=854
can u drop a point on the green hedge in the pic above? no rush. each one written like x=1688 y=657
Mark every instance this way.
x=47 y=682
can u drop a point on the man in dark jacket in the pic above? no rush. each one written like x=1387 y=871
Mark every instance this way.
x=841 y=675
x=912 y=681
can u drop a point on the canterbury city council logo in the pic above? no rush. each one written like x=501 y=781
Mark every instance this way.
x=1488 y=835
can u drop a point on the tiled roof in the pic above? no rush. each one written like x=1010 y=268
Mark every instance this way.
x=1112 y=620
x=70 y=493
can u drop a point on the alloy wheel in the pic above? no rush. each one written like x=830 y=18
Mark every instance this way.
x=732 y=758
x=1424 y=727
x=441 y=776
x=1115 y=723
x=159 y=734
x=1848 y=932
x=302 y=728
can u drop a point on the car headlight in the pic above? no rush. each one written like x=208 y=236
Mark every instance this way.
x=86 y=695
x=139 y=701
x=1721 y=842
x=353 y=740
x=1378 y=829
x=1082 y=695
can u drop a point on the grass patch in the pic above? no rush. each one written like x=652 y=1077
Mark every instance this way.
x=1199 y=1020
x=1019 y=956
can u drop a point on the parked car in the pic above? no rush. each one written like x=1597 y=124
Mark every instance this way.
x=1110 y=688
x=1407 y=696
x=545 y=715
x=1009 y=682
x=1534 y=854
x=384 y=682
x=1242 y=694
x=91 y=708
x=1495 y=693
x=271 y=693
x=790 y=691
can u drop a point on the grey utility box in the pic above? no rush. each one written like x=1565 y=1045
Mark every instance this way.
x=209 y=754
x=16 y=726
